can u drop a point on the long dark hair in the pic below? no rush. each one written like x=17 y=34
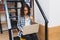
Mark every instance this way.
x=22 y=10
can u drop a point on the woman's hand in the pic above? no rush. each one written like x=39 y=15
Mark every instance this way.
x=21 y=30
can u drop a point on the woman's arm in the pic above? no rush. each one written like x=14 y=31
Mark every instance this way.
x=19 y=24
x=32 y=19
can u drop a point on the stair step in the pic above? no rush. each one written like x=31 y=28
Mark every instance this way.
x=13 y=16
x=9 y=11
x=11 y=4
x=13 y=8
x=3 y=22
x=14 y=0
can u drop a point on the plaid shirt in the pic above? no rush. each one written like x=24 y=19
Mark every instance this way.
x=20 y=24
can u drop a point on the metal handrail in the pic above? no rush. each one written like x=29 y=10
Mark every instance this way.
x=7 y=15
x=45 y=18
x=8 y=20
x=42 y=12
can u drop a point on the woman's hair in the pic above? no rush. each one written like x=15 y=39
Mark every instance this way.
x=22 y=10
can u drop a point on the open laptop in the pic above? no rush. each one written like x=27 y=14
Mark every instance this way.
x=30 y=29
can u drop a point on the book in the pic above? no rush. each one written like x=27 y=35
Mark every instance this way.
x=30 y=29
x=1 y=7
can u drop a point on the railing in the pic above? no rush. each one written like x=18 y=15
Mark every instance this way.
x=8 y=17
x=45 y=18
x=0 y=25
x=8 y=20
x=43 y=14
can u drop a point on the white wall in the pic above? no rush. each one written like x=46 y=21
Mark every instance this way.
x=51 y=9
x=38 y=16
x=45 y=6
x=54 y=12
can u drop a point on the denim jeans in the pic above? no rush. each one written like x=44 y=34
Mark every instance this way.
x=30 y=37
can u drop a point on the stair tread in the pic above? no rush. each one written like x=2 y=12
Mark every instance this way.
x=13 y=1
x=9 y=11
x=3 y=22
x=13 y=8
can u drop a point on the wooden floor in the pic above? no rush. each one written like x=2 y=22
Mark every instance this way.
x=53 y=34
x=4 y=36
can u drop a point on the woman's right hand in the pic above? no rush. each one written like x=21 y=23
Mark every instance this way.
x=21 y=30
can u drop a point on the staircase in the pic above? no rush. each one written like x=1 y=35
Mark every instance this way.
x=12 y=17
x=11 y=11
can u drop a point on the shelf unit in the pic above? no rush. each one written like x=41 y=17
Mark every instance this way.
x=2 y=12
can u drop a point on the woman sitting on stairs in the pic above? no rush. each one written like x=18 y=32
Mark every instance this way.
x=24 y=20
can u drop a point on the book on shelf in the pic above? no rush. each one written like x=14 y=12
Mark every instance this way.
x=1 y=7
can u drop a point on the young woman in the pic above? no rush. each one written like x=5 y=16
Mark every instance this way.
x=24 y=20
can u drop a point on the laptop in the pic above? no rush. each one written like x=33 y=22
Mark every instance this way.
x=30 y=29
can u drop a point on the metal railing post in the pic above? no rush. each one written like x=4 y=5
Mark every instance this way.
x=45 y=18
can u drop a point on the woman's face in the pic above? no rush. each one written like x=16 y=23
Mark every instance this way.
x=25 y=11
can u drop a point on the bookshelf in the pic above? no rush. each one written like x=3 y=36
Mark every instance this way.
x=12 y=12
x=3 y=21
